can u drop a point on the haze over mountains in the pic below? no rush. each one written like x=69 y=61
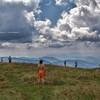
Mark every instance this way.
x=85 y=62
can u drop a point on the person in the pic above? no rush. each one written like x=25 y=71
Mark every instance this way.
x=10 y=59
x=65 y=63
x=76 y=64
x=41 y=72
x=1 y=59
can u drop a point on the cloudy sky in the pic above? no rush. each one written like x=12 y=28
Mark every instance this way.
x=50 y=27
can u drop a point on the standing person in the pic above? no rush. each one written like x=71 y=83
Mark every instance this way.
x=1 y=59
x=76 y=64
x=41 y=72
x=65 y=63
x=10 y=59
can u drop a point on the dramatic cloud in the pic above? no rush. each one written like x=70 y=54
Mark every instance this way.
x=13 y=24
x=81 y=23
x=27 y=21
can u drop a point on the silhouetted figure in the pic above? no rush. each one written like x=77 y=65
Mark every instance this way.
x=10 y=59
x=76 y=64
x=1 y=59
x=65 y=63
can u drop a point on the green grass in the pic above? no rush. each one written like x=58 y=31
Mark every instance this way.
x=19 y=82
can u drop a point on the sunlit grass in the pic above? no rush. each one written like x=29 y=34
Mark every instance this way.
x=19 y=82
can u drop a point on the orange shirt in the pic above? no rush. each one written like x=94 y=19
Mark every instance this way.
x=41 y=70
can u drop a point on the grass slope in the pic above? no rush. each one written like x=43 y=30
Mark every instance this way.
x=19 y=82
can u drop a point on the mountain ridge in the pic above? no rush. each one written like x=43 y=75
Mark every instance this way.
x=56 y=61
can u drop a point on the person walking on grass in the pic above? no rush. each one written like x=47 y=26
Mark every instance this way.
x=41 y=72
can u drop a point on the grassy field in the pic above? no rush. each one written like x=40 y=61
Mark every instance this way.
x=19 y=82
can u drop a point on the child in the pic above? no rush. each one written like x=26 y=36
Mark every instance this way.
x=41 y=72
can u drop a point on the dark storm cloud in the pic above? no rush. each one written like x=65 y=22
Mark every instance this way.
x=91 y=39
x=13 y=25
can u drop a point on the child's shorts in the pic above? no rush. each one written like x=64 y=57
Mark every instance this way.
x=41 y=74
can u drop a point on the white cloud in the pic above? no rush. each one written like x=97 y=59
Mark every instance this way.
x=26 y=2
x=81 y=23
x=34 y=3
x=61 y=2
x=17 y=0
x=30 y=17
x=5 y=44
x=41 y=24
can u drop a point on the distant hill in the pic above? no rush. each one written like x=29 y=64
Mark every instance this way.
x=89 y=62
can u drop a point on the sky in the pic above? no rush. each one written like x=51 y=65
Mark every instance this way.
x=50 y=28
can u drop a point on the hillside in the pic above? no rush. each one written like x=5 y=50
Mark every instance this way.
x=19 y=82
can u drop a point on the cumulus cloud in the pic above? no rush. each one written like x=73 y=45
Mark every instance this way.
x=64 y=2
x=61 y=2
x=84 y=20
x=25 y=2
x=80 y=24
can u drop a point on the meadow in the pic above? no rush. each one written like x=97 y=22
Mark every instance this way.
x=18 y=81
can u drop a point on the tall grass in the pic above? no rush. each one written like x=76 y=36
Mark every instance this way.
x=19 y=82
